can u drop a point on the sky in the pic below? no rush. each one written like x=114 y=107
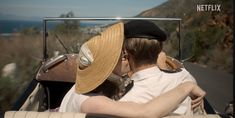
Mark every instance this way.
x=81 y=8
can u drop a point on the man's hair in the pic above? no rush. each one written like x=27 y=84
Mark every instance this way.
x=143 y=50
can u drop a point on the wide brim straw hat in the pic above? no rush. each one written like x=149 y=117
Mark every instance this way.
x=99 y=56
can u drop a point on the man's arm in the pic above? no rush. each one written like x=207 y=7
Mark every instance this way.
x=158 y=107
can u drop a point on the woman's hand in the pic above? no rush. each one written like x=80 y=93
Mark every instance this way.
x=197 y=95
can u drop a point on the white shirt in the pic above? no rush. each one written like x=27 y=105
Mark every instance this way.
x=152 y=82
x=72 y=101
x=148 y=84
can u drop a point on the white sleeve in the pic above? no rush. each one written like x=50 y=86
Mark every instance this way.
x=77 y=102
x=187 y=76
x=72 y=101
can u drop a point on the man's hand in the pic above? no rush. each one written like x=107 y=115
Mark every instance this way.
x=161 y=60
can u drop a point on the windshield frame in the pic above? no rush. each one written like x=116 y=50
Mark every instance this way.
x=47 y=19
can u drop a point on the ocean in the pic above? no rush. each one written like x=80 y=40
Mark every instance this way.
x=14 y=26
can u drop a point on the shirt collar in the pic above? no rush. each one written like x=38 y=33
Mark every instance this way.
x=146 y=73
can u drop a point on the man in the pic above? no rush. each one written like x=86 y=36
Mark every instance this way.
x=97 y=59
x=143 y=43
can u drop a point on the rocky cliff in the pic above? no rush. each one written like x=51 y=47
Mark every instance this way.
x=207 y=35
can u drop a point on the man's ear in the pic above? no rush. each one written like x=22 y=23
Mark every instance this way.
x=131 y=62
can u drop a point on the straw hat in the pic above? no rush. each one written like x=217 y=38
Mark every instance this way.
x=98 y=57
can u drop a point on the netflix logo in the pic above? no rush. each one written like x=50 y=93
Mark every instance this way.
x=209 y=7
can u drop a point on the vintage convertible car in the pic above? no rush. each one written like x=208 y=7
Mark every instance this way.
x=56 y=75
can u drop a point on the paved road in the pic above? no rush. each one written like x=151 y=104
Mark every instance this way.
x=218 y=85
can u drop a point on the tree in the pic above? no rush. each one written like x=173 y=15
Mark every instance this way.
x=68 y=26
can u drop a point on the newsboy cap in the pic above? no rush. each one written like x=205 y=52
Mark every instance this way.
x=143 y=29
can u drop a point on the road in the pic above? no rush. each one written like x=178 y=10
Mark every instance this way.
x=218 y=85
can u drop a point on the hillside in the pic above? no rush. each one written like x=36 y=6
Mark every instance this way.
x=208 y=35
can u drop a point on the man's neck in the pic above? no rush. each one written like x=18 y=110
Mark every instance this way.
x=142 y=67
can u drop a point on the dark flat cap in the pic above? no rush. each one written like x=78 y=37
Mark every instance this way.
x=143 y=29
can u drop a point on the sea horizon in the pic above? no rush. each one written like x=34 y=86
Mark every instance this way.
x=14 y=26
x=8 y=27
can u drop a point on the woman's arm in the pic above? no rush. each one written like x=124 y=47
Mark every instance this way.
x=158 y=107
